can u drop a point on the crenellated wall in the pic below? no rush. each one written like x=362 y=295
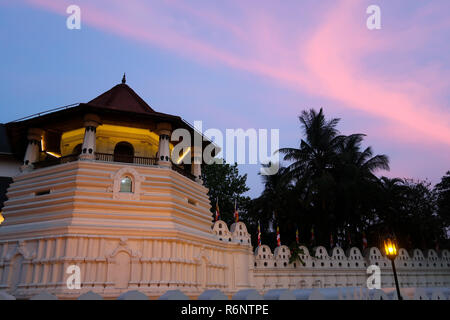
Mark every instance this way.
x=334 y=268
x=324 y=268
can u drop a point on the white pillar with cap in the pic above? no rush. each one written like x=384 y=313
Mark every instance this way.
x=32 y=152
x=91 y=122
x=164 y=131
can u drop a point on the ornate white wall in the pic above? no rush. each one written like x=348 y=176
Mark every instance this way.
x=335 y=268
x=160 y=238
x=327 y=269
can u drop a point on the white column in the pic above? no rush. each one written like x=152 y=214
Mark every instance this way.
x=196 y=168
x=91 y=123
x=32 y=152
x=164 y=131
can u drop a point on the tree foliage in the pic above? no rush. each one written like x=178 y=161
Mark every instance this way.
x=442 y=190
x=226 y=186
x=331 y=186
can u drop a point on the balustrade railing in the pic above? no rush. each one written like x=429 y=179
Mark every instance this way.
x=147 y=161
x=107 y=157
x=55 y=161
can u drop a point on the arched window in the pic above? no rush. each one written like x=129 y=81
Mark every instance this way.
x=126 y=184
x=124 y=152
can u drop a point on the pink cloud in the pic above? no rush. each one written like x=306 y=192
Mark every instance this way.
x=332 y=59
x=326 y=59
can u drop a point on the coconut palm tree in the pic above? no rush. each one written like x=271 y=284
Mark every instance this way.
x=349 y=151
x=317 y=151
x=334 y=171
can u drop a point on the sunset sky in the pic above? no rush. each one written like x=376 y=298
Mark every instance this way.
x=246 y=64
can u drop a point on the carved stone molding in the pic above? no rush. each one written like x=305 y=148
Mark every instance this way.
x=123 y=247
x=22 y=250
x=203 y=256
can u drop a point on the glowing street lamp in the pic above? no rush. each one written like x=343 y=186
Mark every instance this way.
x=390 y=249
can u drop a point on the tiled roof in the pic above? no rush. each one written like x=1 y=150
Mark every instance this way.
x=121 y=97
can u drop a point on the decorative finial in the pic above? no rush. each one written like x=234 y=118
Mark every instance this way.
x=124 y=79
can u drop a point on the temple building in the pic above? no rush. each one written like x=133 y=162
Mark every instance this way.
x=95 y=185
x=97 y=188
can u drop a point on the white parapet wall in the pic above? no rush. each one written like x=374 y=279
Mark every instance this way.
x=333 y=268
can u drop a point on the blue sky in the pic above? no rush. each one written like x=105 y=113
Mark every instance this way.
x=252 y=65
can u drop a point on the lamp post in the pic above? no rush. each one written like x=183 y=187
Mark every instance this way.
x=391 y=252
